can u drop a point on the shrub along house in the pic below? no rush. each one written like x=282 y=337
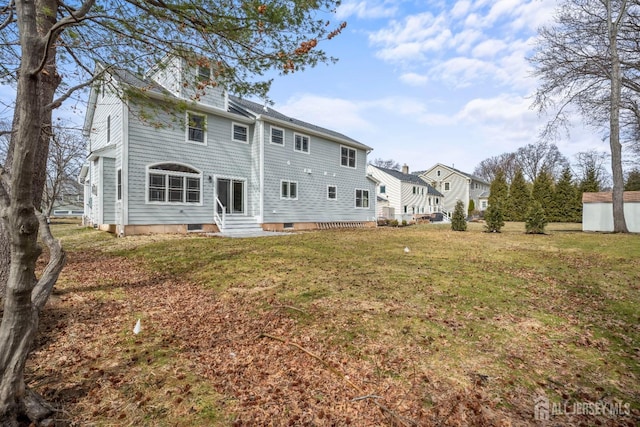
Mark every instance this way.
x=169 y=161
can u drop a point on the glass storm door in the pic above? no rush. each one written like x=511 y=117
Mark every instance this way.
x=231 y=195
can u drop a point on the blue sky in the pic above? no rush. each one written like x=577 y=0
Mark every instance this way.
x=423 y=81
x=427 y=81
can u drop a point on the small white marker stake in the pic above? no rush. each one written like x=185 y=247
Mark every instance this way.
x=137 y=328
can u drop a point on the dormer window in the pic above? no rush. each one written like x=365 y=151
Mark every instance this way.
x=204 y=74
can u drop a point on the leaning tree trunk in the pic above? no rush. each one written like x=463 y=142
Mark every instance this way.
x=24 y=296
x=619 y=223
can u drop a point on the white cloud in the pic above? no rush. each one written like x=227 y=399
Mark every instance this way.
x=460 y=8
x=488 y=48
x=337 y=114
x=365 y=9
x=411 y=38
x=413 y=79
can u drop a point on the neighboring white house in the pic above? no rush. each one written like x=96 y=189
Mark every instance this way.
x=404 y=196
x=173 y=160
x=457 y=185
x=597 y=211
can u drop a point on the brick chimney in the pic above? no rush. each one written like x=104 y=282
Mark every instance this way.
x=405 y=169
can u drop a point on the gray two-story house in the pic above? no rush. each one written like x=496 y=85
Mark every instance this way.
x=165 y=158
x=457 y=185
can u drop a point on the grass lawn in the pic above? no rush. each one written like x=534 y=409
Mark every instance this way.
x=343 y=327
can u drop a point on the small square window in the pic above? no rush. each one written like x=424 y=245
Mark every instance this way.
x=288 y=190
x=362 y=198
x=348 y=157
x=204 y=74
x=332 y=193
x=301 y=143
x=196 y=127
x=277 y=136
x=240 y=133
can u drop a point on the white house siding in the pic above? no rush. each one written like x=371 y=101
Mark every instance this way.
x=220 y=157
x=393 y=190
x=174 y=71
x=597 y=211
x=458 y=190
x=95 y=184
x=107 y=106
x=108 y=190
x=477 y=189
x=313 y=172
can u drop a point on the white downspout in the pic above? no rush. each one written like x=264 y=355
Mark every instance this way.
x=261 y=172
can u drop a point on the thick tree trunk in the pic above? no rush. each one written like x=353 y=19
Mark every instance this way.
x=24 y=295
x=619 y=223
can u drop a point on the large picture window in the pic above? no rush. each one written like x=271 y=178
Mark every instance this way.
x=174 y=183
x=196 y=128
x=348 y=157
x=362 y=198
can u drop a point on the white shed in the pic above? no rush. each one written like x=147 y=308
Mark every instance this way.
x=597 y=211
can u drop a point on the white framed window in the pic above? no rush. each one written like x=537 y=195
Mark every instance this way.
x=119 y=184
x=438 y=173
x=415 y=189
x=447 y=186
x=196 y=128
x=483 y=204
x=332 y=192
x=362 y=198
x=204 y=74
x=347 y=157
x=239 y=133
x=301 y=143
x=172 y=183
x=289 y=190
x=383 y=189
x=277 y=136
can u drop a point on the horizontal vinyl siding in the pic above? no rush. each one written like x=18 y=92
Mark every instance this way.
x=283 y=163
x=392 y=190
x=110 y=105
x=220 y=157
x=109 y=190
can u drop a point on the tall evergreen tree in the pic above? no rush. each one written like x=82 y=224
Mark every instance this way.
x=566 y=203
x=542 y=192
x=499 y=190
x=458 y=221
x=590 y=183
x=633 y=181
x=519 y=198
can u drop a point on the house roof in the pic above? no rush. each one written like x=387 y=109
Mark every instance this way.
x=263 y=112
x=607 y=197
x=410 y=178
x=467 y=175
x=237 y=106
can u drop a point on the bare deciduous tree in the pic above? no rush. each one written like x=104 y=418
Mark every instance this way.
x=387 y=164
x=66 y=155
x=587 y=61
x=488 y=168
